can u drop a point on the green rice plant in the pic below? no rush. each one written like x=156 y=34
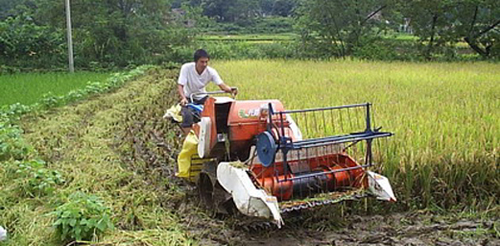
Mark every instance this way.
x=29 y=88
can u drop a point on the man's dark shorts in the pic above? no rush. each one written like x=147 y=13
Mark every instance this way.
x=189 y=115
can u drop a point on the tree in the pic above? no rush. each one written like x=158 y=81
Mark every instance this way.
x=117 y=32
x=6 y=6
x=441 y=23
x=338 y=27
x=283 y=7
x=230 y=10
x=477 y=23
x=429 y=18
x=216 y=9
x=266 y=7
x=105 y=33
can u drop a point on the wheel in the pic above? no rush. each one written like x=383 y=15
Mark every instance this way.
x=206 y=191
x=213 y=196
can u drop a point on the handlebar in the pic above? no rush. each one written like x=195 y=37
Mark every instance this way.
x=213 y=93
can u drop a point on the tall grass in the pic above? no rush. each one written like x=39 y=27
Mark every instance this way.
x=445 y=116
x=28 y=88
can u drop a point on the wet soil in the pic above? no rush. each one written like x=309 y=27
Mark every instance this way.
x=326 y=226
x=394 y=229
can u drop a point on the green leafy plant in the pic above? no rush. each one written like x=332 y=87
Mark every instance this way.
x=37 y=179
x=83 y=217
x=12 y=145
x=96 y=87
x=75 y=95
x=49 y=100
x=15 y=110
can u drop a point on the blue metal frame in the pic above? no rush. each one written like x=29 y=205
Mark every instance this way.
x=285 y=144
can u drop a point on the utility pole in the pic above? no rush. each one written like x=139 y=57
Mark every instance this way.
x=70 y=39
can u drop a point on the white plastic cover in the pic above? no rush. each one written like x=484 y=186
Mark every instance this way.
x=204 y=138
x=379 y=185
x=248 y=199
x=3 y=234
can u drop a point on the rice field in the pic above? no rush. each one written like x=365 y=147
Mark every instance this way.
x=445 y=116
x=445 y=151
x=29 y=88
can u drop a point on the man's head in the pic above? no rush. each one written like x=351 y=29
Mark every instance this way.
x=201 y=59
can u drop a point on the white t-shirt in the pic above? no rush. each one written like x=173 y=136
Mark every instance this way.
x=196 y=83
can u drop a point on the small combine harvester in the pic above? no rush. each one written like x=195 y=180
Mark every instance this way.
x=263 y=160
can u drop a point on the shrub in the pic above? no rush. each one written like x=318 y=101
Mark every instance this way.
x=13 y=111
x=83 y=217
x=35 y=178
x=375 y=50
x=23 y=43
x=12 y=145
x=49 y=100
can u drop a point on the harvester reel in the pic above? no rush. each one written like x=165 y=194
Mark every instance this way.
x=266 y=148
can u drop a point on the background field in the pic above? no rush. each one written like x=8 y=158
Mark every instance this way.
x=117 y=146
x=88 y=156
x=445 y=117
x=28 y=88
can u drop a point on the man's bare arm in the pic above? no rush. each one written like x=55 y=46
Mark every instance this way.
x=180 y=89
x=228 y=89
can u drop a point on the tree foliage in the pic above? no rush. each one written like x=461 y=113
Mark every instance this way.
x=24 y=43
x=442 y=23
x=109 y=33
x=339 y=27
x=119 y=33
x=237 y=10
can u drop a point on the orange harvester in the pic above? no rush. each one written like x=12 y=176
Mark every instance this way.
x=263 y=135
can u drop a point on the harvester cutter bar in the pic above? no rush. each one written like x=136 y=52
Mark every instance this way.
x=291 y=206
